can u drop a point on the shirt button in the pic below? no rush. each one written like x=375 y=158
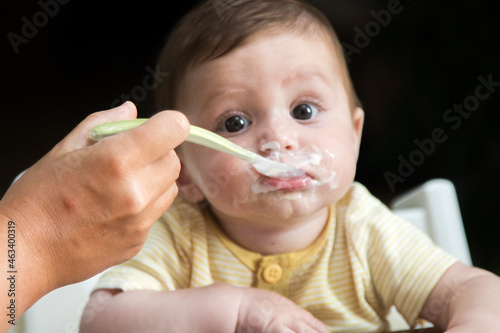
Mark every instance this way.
x=272 y=273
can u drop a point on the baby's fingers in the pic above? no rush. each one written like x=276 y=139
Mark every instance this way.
x=307 y=324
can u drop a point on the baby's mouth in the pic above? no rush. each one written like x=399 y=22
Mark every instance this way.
x=318 y=164
x=294 y=184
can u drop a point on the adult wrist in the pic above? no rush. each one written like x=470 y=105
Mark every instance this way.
x=20 y=258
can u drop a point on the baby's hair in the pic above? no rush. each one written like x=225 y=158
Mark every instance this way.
x=216 y=27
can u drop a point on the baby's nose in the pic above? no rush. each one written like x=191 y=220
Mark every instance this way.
x=277 y=138
x=271 y=149
x=271 y=146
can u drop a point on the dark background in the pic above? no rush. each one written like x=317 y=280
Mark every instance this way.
x=408 y=74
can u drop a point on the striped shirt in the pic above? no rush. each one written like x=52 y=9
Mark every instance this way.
x=365 y=260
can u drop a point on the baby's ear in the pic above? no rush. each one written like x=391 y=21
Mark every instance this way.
x=187 y=188
x=358 y=119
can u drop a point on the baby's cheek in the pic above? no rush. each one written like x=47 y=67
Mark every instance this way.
x=242 y=196
x=326 y=171
x=230 y=178
x=321 y=165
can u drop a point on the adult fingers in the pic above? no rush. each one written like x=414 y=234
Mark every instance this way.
x=144 y=144
x=158 y=207
x=78 y=137
x=155 y=186
x=161 y=174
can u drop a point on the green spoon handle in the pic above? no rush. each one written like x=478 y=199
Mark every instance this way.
x=196 y=135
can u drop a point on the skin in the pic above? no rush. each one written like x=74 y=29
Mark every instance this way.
x=85 y=207
x=465 y=300
x=262 y=82
x=307 y=78
x=266 y=97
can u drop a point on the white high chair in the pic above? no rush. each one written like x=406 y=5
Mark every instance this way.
x=432 y=207
x=58 y=311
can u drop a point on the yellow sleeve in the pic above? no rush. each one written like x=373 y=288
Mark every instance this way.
x=403 y=263
x=162 y=264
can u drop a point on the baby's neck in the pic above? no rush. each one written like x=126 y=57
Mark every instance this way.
x=276 y=238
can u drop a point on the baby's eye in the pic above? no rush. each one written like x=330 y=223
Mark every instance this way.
x=235 y=124
x=304 y=112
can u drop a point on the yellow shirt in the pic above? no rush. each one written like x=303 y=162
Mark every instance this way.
x=365 y=260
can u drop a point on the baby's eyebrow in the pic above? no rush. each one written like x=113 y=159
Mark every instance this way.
x=308 y=74
x=220 y=92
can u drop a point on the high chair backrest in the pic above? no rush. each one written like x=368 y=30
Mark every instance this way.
x=433 y=208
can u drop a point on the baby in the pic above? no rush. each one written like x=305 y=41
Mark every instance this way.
x=242 y=252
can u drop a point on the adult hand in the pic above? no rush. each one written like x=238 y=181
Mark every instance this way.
x=86 y=206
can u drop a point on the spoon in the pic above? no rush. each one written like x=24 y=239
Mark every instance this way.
x=208 y=139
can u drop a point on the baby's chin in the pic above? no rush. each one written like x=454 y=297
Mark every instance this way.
x=270 y=198
x=283 y=204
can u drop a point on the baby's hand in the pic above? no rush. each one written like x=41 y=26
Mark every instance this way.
x=266 y=311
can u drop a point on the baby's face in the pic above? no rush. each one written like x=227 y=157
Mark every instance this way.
x=282 y=97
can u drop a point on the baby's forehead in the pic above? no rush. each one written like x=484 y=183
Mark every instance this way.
x=227 y=43
x=244 y=59
x=264 y=64
x=313 y=33
x=296 y=43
